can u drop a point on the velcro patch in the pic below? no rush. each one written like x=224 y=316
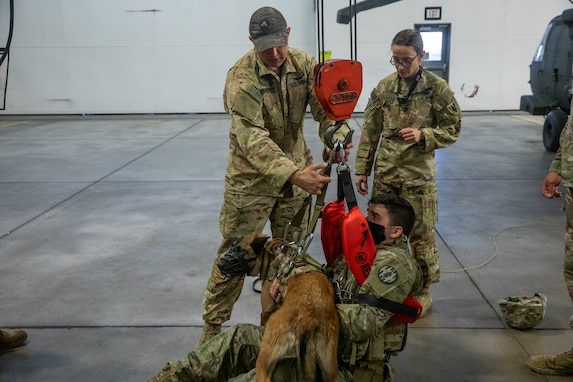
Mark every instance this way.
x=452 y=108
x=388 y=274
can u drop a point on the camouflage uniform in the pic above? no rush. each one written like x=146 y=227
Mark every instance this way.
x=562 y=165
x=267 y=146
x=561 y=364
x=409 y=169
x=367 y=340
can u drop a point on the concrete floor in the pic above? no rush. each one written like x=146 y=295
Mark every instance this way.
x=109 y=226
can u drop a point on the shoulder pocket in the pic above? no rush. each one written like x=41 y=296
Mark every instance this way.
x=375 y=102
x=248 y=103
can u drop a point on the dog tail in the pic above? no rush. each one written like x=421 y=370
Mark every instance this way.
x=327 y=359
x=307 y=357
x=317 y=358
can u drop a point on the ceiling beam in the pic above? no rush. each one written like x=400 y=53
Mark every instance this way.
x=344 y=15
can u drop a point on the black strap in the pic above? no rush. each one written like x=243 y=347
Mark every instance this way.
x=345 y=187
x=412 y=87
x=383 y=303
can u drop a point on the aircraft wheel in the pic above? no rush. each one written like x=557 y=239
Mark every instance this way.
x=552 y=127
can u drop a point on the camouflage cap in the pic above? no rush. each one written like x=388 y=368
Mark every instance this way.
x=268 y=28
x=523 y=312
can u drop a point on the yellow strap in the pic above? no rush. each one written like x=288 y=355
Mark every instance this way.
x=352 y=360
x=312 y=261
x=319 y=202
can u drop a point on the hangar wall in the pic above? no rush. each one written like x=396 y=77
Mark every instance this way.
x=171 y=56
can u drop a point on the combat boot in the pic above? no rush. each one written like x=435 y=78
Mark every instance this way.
x=209 y=331
x=10 y=339
x=560 y=364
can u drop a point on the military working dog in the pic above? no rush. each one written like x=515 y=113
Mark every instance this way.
x=305 y=327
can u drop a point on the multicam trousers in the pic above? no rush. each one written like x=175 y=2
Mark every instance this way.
x=568 y=255
x=232 y=356
x=242 y=215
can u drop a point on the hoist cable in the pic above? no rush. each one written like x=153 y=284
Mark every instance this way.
x=9 y=41
x=320 y=29
x=355 y=56
x=353 y=27
x=350 y=30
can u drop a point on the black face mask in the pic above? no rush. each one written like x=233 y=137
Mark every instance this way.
x=377 y=232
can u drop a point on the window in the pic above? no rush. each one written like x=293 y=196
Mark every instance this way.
x=432 y=45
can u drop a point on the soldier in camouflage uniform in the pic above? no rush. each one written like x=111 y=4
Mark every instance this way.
x=409 y=115
x=561 y=173
x=270 y=170
x=368 y=336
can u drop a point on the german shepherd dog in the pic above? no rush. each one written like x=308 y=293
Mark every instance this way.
x=305 y=327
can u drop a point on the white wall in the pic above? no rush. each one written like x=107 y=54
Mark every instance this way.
x=118 y=56
x=492 y=44
x=171 y=56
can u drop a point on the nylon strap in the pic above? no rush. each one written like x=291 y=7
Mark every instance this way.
x=319 y=202
x=297 y=220
x=345 y=187
x=312 y=261
x=412 y=87
x=383 y=303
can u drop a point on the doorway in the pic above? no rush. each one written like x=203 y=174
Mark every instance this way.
x=436 y=39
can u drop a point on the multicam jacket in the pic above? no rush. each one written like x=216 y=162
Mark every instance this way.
x=561 y=163
x=368 y=333
x=267 y=112
x=431 y=107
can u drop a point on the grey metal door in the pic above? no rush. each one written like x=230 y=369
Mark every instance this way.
x=437 y=46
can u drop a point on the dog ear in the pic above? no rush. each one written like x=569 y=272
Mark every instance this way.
x=272 y=247
x=254 y=246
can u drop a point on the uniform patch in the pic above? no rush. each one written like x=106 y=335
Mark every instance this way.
x=452 y=108
x=388 y=274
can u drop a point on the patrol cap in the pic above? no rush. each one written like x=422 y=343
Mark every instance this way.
x=522 y=312
x=268 y=28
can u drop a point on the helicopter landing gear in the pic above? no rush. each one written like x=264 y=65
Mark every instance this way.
x=552 y=127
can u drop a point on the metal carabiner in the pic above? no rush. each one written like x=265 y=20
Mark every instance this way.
x=303 y=246
x=337 y=149
x=329 y=140
x=342 y=167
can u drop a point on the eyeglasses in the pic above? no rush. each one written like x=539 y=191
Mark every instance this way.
x=405 y=62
